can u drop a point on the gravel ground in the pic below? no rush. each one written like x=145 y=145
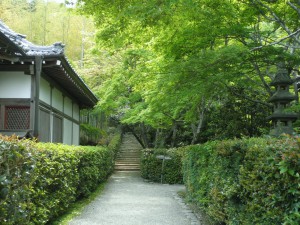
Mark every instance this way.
x=129 y=200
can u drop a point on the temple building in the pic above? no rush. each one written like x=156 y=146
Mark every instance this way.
x=40 y=93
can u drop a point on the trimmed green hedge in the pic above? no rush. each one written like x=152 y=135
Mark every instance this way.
x=151 y=167
x=250 y=181
x=17 y=175
x=38 y=181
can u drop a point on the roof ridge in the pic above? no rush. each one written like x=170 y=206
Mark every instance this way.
x=28 y=47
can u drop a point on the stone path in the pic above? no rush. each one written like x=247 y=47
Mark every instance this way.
x=129 y=200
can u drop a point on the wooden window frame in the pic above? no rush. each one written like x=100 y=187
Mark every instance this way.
x=6 y=117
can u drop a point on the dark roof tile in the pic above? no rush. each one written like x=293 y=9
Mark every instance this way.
x=17 y=46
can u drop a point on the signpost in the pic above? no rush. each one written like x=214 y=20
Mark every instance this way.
x=163 y=158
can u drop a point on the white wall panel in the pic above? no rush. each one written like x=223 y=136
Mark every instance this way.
x=75 y=134
x=67 y=136
x=45 y=91
x=75 y=112
x=15 y=85
x=57 y=99
x=68 y=106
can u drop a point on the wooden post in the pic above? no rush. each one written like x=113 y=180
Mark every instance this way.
x=37 y=79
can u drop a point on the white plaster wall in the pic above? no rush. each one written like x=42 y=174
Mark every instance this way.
x=67 y=135
x=57 y=99
x=45 y=91
x=75 y=112
x=75 y=134
x=68 y=106
x=15 y=85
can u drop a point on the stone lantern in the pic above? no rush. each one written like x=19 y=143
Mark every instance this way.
x=282 y=120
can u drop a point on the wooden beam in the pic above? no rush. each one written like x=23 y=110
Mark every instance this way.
x=9 y=58
x=37 y=79
x=14 y=67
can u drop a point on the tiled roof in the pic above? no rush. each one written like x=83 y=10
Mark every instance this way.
x=15 y=48
x=29 y=48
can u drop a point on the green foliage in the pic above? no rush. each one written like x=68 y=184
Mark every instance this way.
x=170 y=55
x=92 y=170
x=39 y=181
x=115 y=142
x=89 y=129
x=77 y=207
x=235 y=117
x=271 y=185
x=196 y=170
x=151 y=167
x=17 y=173
x=90 y=134
x=48 y=22
x=248 y=181
x=56 y=180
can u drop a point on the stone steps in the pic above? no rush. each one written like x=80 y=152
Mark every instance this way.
x=128 y=161
x=128 y=158
x=127 y=168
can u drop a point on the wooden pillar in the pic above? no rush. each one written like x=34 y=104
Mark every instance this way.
x=37 y=79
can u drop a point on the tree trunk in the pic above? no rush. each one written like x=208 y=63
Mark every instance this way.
x=201 y=112
x=196 y=130
x=157 y=141
x=295 y=73
x=173 y=142
x=144 y=135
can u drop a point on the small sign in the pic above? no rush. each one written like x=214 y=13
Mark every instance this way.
x=163 y=157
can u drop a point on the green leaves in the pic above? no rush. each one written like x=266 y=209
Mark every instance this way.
x=248 y=181
x=48 y=22
x=169 y=55
x=16 y=174
x=151 y=166
x=38 y=181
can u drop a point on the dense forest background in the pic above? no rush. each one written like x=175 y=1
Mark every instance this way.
x=175 y=72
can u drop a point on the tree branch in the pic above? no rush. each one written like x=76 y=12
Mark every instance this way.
x=266 y=86
x=277 y=42
x=276 y=18
x=249 y=99
x=294 y=7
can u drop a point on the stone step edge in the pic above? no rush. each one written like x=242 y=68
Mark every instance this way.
x=129 y=170
x=128 y=157
x=127 y=165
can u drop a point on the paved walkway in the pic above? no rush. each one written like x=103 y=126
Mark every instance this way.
x=128 y=200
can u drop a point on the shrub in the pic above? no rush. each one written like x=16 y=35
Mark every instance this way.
x=56 y=180
x=38 y=181
x=90 y=135
x=93 y=168
x=16 y=177
x=151 y=166
x=197 y=175
x=270 y=182
x=249 y=181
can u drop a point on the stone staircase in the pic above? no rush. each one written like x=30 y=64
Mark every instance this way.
x=128 y=158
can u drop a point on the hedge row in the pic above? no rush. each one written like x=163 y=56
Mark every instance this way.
x=151 y=166
x=251 y=181
x=38 y=181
